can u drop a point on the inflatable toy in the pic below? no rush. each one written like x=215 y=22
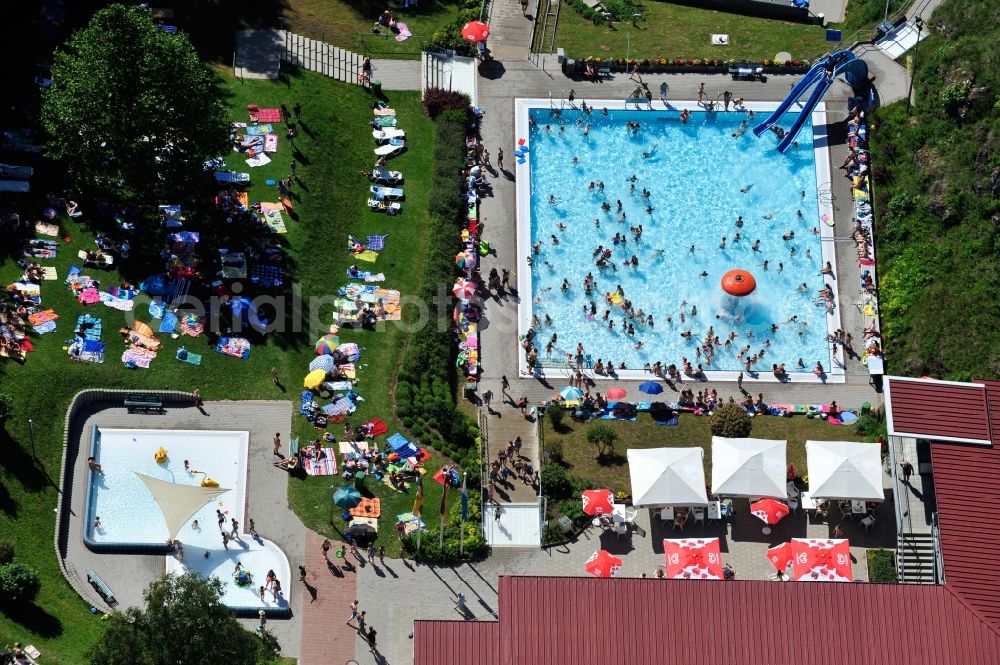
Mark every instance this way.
x=160 y=456
x=738 y=283
x=208 y=482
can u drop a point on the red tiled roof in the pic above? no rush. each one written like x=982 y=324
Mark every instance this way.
x=456 y=642
x=967 y=486
x=586 y=621
x=943 y=410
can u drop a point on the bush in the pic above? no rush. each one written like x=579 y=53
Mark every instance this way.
x=18 y=583
x=555 y=482
x=556 y=412
x=6 y=553
x=6 y=408
x=603 y=437
x=453 y=551
x=555 y=453
x=730 y=421
x=882 y=566
x=437 y=100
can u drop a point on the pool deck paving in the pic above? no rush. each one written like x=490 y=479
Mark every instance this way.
x=128 y=575
x=499 y=331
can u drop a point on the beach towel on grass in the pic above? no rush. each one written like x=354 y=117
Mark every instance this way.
x=378 y=428
x=133 y=358
x=47 y=229
x=44 y=316
x=192 y=325
x=259 y=130
x=273 y=217
x=237 y=347
x=169 y=322
x=327 y=466
x=352 y=447
x=672 y=422
x=156 y=308
x=258 y=160
x=306 y=403
x=376 y=243
x=342 y=405
x=46 y=327
x=271 y=143
x=368 y=508
x=121 y=304
x=367 y=255
x=333 y=386
x=361 y=275
x=49 y=273
x=89 y=296
x=265 y=115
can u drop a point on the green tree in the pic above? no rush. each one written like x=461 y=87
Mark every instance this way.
x=132 y=111
x=603 y=437
x=730 y=421
x=184 y=621
x=18 y=583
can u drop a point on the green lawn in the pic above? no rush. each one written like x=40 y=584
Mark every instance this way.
x=673 y=31
x=348 y=24
x=690 y=431
x=336 y=145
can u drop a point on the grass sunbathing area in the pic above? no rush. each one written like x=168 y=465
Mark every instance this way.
x=673 y=31
x=691 y=430
x=334 y=146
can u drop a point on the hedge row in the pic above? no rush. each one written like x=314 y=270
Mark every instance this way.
x=475 y=543
x=425 y=395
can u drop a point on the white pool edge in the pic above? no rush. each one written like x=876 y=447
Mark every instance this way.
x=835 y=369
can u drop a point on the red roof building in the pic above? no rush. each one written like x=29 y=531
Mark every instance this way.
x=587 y=621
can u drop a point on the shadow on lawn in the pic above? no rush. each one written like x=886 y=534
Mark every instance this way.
x=34 y=618
x=17 y=462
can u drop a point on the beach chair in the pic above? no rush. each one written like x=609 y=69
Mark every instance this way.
x=393 y=147
x=387 y=134
x=747 y=73
x=386 y=193
x=387 y=177
x=96 y=259
x=389 y=208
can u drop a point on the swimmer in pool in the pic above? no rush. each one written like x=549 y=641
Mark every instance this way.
x=649 y=153
x=746 y=189
x=741 y=129
x=552 y=199
x=576 y=160
x=722 y=243
x=739 y=222
x=769 y=216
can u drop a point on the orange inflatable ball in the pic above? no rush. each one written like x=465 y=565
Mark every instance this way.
x=738 y=283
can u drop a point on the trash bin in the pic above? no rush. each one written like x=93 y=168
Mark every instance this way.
x=377 y=87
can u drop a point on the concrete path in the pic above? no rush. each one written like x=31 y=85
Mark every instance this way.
x=510 y=31
x=331 y=586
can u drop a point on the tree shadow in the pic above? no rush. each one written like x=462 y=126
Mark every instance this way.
x=34 y=619
x=8 y=505
x=611 y=458
x=18 y=463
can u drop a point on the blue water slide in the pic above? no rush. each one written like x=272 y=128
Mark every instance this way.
x=815 y=73
x=843 y=64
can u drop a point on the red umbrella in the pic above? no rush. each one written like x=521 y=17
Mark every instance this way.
x=693 y=558
x=598 y=502
x=616 y=393
x=769 y=510
x=780 y=556
x=819 y=560
x=475 y=31
x=603 y=564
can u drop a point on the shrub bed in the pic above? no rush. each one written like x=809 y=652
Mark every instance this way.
x=425 y=394
x=882 y=566
x=475 y=543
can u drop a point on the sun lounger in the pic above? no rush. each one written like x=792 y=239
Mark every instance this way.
x=16 y=172
x=389 y=149
x=232 y=178
x=387 y=134
x=19 y=186
x=388 y=177
x=389 y=193
x=392 y=208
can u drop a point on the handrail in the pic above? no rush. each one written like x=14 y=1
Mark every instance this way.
x=938 y=558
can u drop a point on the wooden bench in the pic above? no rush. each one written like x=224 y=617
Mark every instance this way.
x=143 y=403
x=101 y=588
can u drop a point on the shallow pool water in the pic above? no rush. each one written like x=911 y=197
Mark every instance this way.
x=701 y=180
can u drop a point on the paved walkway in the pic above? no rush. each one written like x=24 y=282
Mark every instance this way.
x=128 y=575
x=332 y=585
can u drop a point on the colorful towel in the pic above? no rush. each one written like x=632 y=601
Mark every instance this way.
x=376 y=243
x=134 y=358
x=306 y=403
x=121 y=304
x=265 y=115
x=342 y=405
x=156 y=308
x=353 y=447
x=192 y=325
x=367 y=255
x=326 y=466
x=271 y=143
x=47 y=229
x=273 y=217
x=259 y=130
x=361 y=274
x=169 y=323
x=368 y=508
x=337 y=385
x=45 y=316
x=258 y=160
x=88 y=327
x=237 y=347
x=378 y=428
x=47 y=327
x=375 y=278
x=89 y=296
x=49 y=273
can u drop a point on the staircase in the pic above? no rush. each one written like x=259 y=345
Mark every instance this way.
x=915 y=558
x=317 y=56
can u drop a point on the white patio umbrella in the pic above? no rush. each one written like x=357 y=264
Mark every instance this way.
x=844 y=470
x=748 y=467
x=667 y=476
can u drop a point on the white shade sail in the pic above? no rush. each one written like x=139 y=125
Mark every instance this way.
x=179 y=502
x=844 y=470
x=667 y=476
x=748 y=467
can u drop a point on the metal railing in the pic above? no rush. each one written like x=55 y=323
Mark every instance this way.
x=938 y=558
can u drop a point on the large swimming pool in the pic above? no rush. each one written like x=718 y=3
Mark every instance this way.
x=715 y=202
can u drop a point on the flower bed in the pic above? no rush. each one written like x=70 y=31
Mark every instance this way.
x=683 y=66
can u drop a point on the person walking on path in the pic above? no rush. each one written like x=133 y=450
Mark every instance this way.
x=222 y=518
x=361 y=622
x=381 y=554
x=274 y=370
x=497 y=514
x=275 y=590
x=907 y=470
x=235 y=533
x=371 y=553
x=225 y=540
x=292 y=170
x=277 y=444
x=354 y=612
x=460 y=604
x=298 y=111
x=371 y=641
x=500 y=158
x=326 y=548
x=302 y=575
x=253 y=528
x=504 y=386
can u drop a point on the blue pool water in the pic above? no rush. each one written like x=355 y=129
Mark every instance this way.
x=695 y=176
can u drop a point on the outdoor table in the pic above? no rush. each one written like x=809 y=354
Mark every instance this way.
x=714 y=511
x=667 y=514
x=618 y=514
x=808 y=503
x=859 y=508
